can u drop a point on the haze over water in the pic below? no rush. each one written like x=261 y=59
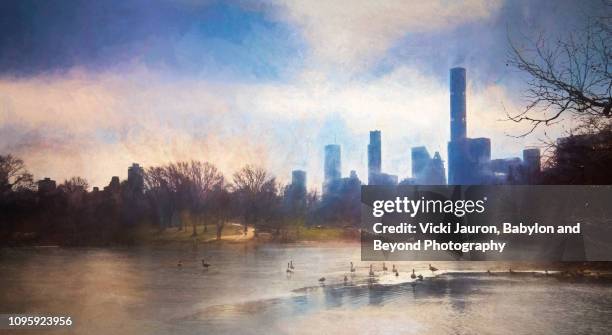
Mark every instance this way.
x=247 y=291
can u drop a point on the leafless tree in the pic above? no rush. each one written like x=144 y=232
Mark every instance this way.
x=567 y=76
x=183 y=188
x=203 y=178
x=159 y=192
x=74 y=184
x=13 y=175
x=257 y=193
x=74 y=189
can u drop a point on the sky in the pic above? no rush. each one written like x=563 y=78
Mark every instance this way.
x=89 y=87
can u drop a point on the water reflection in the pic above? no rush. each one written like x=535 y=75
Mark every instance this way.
x=247 y=290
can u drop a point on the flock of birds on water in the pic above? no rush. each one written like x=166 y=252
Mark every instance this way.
x=352 y=269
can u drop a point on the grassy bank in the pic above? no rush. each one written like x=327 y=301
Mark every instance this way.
x=231 y=232
x=234 y=233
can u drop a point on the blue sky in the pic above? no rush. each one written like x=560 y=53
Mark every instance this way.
x=87 y=88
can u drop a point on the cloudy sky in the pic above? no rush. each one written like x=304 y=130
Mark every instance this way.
x=88 y=87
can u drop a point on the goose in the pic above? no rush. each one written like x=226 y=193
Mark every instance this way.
x=420 y=277
x=412 y=276
x=204 y=264
x=432 y=268
x=291 y=265
x=322 y=279
x=371 y=270
x=352 y=267
x=384 y=267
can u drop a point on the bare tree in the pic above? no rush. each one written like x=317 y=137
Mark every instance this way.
x=220 y=204
x=203 y=178
x=74 y=184
x=183 y=188
x=159 y=192
x=567 y=76
x=257 y=193
x=13 y=175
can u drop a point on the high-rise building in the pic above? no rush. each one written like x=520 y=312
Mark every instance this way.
x=295 y=193
x=135 y=178
x=458 y=103
x=332 y=165
x=374 y=155
x=420 y=160
x=468 y=159
x=375 y=174
x=298 y=180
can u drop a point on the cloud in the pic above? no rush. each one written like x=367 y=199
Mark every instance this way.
x=355 y=33
x=96 y=124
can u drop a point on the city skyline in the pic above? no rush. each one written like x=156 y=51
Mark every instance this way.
x=88 y=94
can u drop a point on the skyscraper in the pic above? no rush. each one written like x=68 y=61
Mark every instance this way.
x=375 y=174
x=295 y=195
x=333 y=164
x=457 y=103
x=298 y=180
x=374 y=155
x=468 y=159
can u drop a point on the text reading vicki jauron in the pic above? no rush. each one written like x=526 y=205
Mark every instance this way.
x=483 y=222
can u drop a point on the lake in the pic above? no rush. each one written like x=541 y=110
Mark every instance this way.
x=247 y=290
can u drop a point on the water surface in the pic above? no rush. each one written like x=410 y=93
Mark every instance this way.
x=248 y=291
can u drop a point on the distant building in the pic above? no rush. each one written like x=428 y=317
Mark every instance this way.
x=332 y=165
x=435 y=173
x=295 y=193
x=343 y=187
x=297 y=189
x=532 y=165
x=46 y=186
x=420 y=160
x=298 y=179
x=383 y=179
x=458 y=104
x=374 y=156
x=135 y=180
x=375 y=174
x=506 y=170
x=514 y=170
x=426 y=170
x=468 y=159
x=114 y=186
x=408 y=181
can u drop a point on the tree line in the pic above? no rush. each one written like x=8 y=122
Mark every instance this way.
x=190 y=195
